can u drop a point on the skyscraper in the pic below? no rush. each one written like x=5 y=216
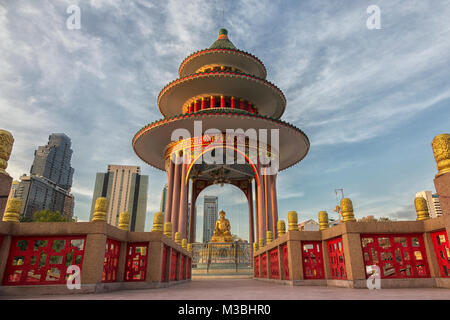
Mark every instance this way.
x=126 y=190
x=434 y=207
x=210 y=216
x=163 y=198
x=50 y=180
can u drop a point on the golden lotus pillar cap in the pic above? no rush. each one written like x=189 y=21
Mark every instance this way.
x=281 y=227
x=421 y=208
x=6 y=144
x=189 y=247
x=184 y=244
x=261 y=242
x=293 y=220
x=441 y=151
x=178 y=238
x=255 y=246
x=347 y=210
x=12 y=210
x=269 y=236
x=158 y=221
x=124 y=221
x=101 y=206
x=168 y=229
x=323 y=220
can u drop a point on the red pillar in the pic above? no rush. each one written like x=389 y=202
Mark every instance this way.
x=222 y=102
x=233 y=103
x=212 y=102
x=251 y=233
x=170 y=170
x=268 y=201
x=241 y=104
x=256 y=210
x=183 y=199
x=203 y=103
x=176 y=195
x=273 y=194
x=192 y=223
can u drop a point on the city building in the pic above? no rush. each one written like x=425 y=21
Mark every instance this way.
x=434 y=207
x=210 y=216
x=126 y=190
x=308 y=225
x=50 y=180
x=164 y=198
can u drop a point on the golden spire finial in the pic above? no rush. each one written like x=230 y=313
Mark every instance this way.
x=323 y=220
x=6 y=144
x=124 y=221
x=441 y=151
x=12 y=210
x=101 y=206
x=255 y=246
x=168 y=229
x=158 y=221
x=184 y=244
x=281 y=227
x=292 y=220
x=347 y=210
x=189 y=247
x=261 y=242
x=421 y=208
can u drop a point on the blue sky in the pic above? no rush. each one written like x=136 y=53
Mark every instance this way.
x=370 y=101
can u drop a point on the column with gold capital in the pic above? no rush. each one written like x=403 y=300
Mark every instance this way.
x=441 y=151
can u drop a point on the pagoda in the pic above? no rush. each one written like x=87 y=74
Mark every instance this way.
x=219 y=89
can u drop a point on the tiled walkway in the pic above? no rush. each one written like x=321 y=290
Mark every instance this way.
x=236 y=289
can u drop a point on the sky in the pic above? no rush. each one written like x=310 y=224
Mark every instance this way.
x=369 y=100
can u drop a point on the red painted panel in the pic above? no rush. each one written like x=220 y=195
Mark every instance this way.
x=264 y=265
x=256 y=267
x=43 y=260
x=313 y=260
x=111 y=260
x=442 y=250
x=397 y=255
x=274 y=264
x=136 y=262
x=173 y=266
x=285 y=261
x=182 y=267
x=336 y=256
x=163 y=273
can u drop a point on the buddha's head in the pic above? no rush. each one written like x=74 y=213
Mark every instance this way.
x=222 y=214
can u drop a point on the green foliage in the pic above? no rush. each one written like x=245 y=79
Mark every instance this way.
x=47 y=215
x=23 y=218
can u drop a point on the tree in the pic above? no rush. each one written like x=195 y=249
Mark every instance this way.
x=47 y=215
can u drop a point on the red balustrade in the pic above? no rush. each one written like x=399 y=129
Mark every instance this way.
x=111 y=260
x=336 y=256
x=43 y=260
x=136 y=261
x=274 y=264
x=284 y=248
x=397 y=255
x=264 y=265
x=164 y=262
x=173 y=266
x=256 y=267
x=182 y=267
x=313 y=260
x=442 y=250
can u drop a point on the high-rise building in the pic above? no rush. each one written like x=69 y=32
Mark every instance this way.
x=210 y=216
x=52 y=161
x=434 y=208
x=50 y=180
x=163 y=198
x=126 y=190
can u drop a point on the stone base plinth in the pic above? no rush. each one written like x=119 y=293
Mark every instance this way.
x=5 y=187
x=442 y=185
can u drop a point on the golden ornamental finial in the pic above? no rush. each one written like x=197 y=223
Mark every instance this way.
x=292 y=220
x=261 y=242
x=168 y=229
x=101 y=206
x=184 y=244
x=269 y=236
x=158 y=221
x=323 y=220
x=347 y=210
x=6 y=144
x=124 y=221
x=281 y=227
x=421 y=208
x=441 y=151
x=255 y=246
x=189 y=247
x=178 y=238
x=12 y=210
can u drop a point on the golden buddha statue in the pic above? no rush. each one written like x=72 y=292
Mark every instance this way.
x=222 y=230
